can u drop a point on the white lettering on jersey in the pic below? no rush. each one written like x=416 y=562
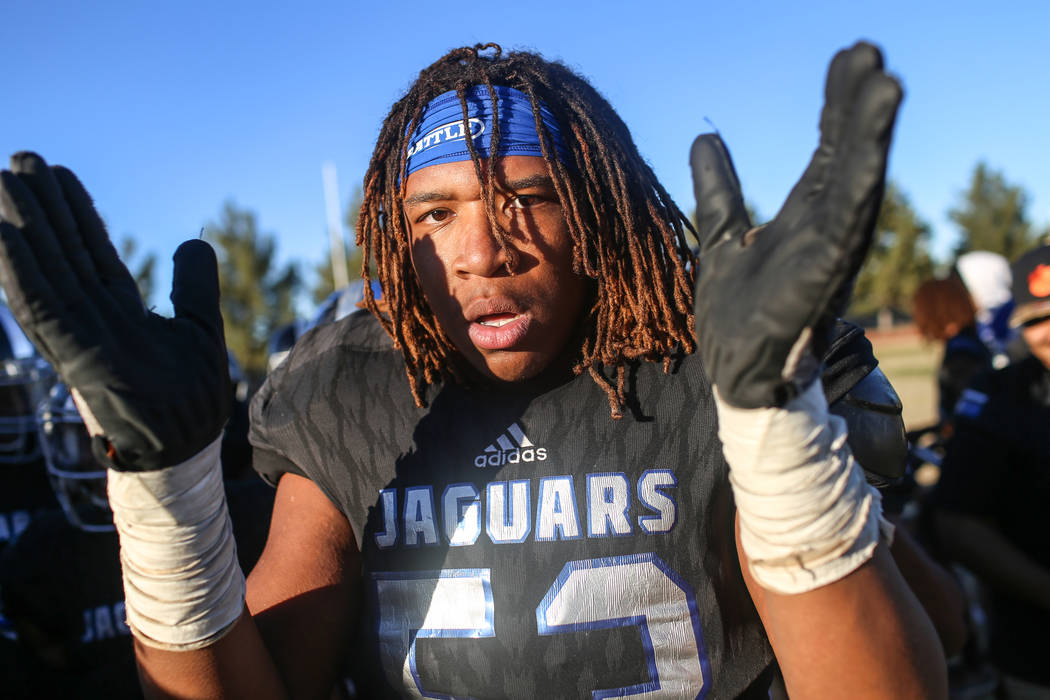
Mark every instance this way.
x=634 y=591
x=388 y=537
x=104 y=622
x=511 y=447
x=556 y=516
x=512 y=526
x=651 y=494
x=608 y=500
x=508 y=511
x=428 y=605
x=461 y=506
x=419 y=516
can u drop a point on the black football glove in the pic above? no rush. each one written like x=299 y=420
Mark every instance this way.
x=158 y=387
x=761 y=297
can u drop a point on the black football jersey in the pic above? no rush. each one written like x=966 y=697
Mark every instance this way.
x=521 y=544
x=26 y=493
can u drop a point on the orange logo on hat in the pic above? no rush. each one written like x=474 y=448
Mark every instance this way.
x=1039 y=281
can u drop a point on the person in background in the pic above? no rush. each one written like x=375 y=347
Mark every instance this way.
x=987 y=278
x=990 y=505
x=945 y=313
x=26 y=494
x=60 y=582
x=25 y=378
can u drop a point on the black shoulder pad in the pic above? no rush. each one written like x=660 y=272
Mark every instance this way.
x=872 y=411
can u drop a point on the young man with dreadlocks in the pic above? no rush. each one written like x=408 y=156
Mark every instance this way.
x=509 y=481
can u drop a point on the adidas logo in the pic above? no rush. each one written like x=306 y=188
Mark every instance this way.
x=511 y=447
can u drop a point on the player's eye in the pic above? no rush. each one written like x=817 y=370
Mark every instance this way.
x=435 y=216
x=522 y=201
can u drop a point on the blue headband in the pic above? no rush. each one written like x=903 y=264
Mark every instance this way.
x=439 y=137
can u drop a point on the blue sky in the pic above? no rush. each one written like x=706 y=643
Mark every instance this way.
x=166 y=110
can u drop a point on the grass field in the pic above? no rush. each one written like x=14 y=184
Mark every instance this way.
x=911 y=366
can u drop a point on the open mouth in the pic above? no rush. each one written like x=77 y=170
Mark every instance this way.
x=500 y=331
x=497 y=320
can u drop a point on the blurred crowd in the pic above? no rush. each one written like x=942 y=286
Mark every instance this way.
x=984 y=514
x=974 y=545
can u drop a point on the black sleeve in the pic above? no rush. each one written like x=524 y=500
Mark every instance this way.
x=847 y=361
x=267 y=459
x=860 y=393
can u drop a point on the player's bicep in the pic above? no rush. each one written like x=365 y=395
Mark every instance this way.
x=302 y=592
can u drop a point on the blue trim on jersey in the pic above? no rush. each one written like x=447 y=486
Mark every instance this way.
x=640 y=621
x=488 y=630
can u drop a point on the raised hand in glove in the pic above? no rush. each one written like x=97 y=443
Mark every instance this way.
x=765 y=303
x=159 y=388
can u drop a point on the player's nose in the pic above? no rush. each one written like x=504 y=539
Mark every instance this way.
x=480 y=252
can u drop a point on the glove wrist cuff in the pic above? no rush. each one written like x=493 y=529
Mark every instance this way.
x=807 y=515
x=183 y=586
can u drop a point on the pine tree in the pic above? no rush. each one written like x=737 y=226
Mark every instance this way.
x=992 y=215
x=257 y=295
x=899 y=259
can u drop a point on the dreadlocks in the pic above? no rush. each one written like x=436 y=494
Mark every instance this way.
x=627 y=234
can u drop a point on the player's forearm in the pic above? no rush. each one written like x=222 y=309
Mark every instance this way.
x=813 y=545
x=862 y=636
x=977 y=545
x=935 y=588
x=237 y=666
x=184 y=590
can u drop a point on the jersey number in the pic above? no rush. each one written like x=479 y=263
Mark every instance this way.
x=638 y=590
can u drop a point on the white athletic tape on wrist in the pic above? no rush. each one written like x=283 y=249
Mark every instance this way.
x=807 y=515
x=183 y=586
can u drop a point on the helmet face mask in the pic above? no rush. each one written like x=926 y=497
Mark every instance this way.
x=78 y=480
x=25 y=378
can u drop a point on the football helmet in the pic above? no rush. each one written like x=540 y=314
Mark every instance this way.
x=25 y=377
x=281 y=342
x=78 y=480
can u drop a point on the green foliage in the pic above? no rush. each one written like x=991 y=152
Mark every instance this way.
x=257 y=295
x=899 y=259
x=992 y=216
x=325 y=284
x=142 y=271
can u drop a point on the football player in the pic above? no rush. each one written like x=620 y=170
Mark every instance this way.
x=24 y=381
x=60 y=579
x=549 y=466
x=25 y=378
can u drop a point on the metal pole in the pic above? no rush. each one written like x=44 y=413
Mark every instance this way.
x=340 y=278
